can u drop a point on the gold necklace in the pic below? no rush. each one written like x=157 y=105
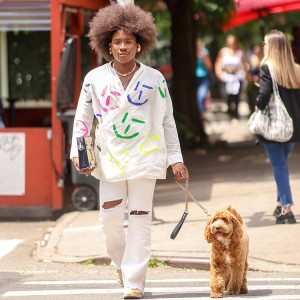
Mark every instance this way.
x=124 y=75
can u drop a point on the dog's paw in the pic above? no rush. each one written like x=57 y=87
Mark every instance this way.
x=244 y=291
x=233 y=291
x=216 y=295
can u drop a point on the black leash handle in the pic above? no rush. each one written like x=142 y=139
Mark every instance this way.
x=186 y=211
x=179 y=225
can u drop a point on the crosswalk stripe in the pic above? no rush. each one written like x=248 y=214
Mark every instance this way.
x=174 y=280
x=152 y=290
x=62 y=292
x=7 y=246
x=270 y=297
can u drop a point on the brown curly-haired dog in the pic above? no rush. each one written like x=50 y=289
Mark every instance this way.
x=229 y=252
x=130 y=18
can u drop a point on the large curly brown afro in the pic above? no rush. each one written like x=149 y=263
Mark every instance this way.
x=130 y=18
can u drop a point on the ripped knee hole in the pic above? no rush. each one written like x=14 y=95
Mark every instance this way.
x=139 y=212
x=112 y=204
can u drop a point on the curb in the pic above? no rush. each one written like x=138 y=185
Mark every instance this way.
x=188 y=262
x=172 y=261
x=47 y=248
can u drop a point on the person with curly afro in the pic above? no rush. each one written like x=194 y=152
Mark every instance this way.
x=136 y=138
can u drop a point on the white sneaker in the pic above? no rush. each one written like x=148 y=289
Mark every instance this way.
x=119 y=277
x=133 y=294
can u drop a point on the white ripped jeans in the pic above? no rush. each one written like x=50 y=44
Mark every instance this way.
x=130 y=254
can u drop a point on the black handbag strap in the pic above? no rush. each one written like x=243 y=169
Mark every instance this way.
x=275 y=86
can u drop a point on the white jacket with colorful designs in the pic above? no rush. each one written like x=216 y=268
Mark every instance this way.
x=136 y=130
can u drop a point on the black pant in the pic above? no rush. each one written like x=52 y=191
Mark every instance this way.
x=233 y=103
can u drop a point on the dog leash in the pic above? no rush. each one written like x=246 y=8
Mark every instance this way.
x=187 y=194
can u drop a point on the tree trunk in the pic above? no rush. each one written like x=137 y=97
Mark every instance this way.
x=184 y=82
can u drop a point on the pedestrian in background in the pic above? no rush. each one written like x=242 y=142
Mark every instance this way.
x=203 y=69
x=231 y=68
x=296 y=43
x=252 y=87
x=136 y=137
x=277 y=50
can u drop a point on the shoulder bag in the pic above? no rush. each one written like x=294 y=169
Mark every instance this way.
x=273 y=122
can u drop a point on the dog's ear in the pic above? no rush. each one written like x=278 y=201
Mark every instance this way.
x=234 y=212
x=207 y=233
x=237 y=228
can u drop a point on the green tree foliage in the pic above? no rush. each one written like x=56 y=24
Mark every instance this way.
x=212 y=15
x=29 y=65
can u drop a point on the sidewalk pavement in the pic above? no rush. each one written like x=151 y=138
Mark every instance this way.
x=237 y=173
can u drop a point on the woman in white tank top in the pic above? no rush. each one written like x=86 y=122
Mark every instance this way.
x=231 y=68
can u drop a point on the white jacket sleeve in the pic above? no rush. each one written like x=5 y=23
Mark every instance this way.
x=171 y=136
x=83 y=118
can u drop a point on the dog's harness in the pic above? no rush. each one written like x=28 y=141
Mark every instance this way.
x=187 y=194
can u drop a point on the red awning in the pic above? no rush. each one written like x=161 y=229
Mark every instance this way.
x=249 y=10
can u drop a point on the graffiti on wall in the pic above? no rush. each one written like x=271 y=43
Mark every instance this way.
x=12 y=162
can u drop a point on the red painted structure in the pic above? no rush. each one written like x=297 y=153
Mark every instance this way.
x=37 y=169
x=58 y=30
x=41 y=182
x=249 y=10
